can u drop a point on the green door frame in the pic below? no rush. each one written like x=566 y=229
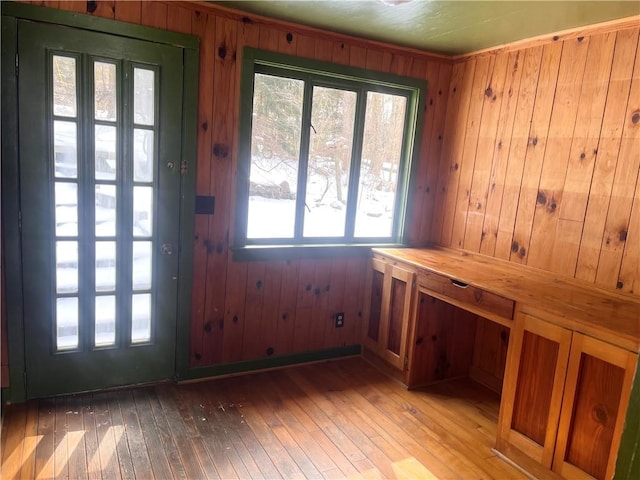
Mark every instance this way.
x=11 y=13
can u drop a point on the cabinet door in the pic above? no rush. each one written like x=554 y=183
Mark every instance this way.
x=394 y=321
x=373 y=305
x=388 y=305
x=533 y=385
x=596 y=397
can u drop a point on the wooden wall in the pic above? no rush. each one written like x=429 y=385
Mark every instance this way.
x=529 y=155
x=541 y=158
x=250 y=310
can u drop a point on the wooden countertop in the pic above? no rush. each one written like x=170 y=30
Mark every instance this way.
x=611 y=316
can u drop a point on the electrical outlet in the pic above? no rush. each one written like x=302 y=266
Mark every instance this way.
x=339 y=318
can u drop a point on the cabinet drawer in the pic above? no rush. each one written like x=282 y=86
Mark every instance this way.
x=467 y=294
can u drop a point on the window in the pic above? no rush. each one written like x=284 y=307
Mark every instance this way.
x=324 y=152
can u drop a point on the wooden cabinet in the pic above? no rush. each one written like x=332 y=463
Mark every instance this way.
x=564 y=398
x=534 y=381
x=387 y=312
x=596 y=396
x=435 y=315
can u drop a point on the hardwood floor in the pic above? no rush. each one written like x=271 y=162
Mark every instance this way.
x=341 y=419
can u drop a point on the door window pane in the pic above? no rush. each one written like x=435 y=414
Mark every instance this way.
x=105 y=327
x=381 y=154
x=144 y=96
x=141 y=318
x=67 y=323
x=64 y=86
x=275 y=151
x=142 y=211
x=141 y=265
x=105 y=152
x=65 y=150
x=66 y=267
x=104 y=78
x=143 y=155
x=105 y=266
x=332 y=117
x=66 y=209
x=105 y=210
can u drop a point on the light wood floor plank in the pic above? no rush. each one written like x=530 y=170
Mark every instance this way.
x=333 y=420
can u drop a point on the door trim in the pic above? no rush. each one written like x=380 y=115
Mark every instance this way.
x=11 y=12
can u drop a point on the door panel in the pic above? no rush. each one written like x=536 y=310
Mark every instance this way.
x=100 y=139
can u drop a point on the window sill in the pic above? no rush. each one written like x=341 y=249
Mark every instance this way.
x=250 y=253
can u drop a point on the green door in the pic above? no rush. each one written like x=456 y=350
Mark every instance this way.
x=100 y=141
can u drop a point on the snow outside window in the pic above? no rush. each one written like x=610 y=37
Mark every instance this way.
x=323 y=159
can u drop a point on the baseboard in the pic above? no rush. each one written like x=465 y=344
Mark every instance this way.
x=269 y=363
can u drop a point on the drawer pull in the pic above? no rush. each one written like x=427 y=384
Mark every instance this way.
x=459 y=284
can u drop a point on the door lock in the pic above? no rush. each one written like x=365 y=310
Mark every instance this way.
x=166 y=249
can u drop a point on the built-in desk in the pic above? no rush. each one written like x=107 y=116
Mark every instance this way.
x=561 y=352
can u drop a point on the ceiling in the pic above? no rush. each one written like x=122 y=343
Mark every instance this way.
x=441 y=26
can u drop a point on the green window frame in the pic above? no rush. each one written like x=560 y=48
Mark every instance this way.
x=258 y=64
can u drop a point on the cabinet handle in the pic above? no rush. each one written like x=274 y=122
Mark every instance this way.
x=459 y=284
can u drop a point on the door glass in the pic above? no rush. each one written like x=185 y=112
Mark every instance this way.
x=105 y=331
x=105 y=211
x=108 y=237
x=105 y=154
x=142 y=211
x=65 y=150
x=66 y=267
x=64 y=86
x=144 y=138
x=144 y=98
x=141 y=266
x=143 y=155
x=66 y=209
x=141 y=318
x=105 y=98
x=105 y=266
x=67 y=323
x=65 y=193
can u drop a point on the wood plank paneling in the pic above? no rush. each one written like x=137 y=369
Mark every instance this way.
x=556 y=154
x=454 y=134
x=519 y=140
x=501 y=151
x=454 y=232
x=479 y=191
x=563 y=198
x=607 y=156
x=291 y=319
x=469 y=144
x=130 y=12
x=536 y=147
x=202 y=25
x=584 y=148
x=224 y=126
x=435 y=142
x=616 y=230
